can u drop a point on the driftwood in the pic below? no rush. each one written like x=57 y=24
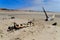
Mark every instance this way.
x=31 y=23
x=16 y=26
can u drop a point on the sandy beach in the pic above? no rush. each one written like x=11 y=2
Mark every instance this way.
x=41 y=30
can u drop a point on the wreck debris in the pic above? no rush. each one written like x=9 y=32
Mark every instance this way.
x=54 y=23
x=47 y=17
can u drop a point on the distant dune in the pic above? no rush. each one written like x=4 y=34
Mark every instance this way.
x=12 y=10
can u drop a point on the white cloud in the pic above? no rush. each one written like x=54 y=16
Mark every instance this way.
x=51 y=5
x=38 y=1
x=55 y=0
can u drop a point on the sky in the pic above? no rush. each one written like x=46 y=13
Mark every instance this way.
x=49 y=5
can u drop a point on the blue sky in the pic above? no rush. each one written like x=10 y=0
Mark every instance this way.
x=15 y=4
x=49 y=5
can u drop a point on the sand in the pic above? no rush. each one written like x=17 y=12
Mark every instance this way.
x=42 y=30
